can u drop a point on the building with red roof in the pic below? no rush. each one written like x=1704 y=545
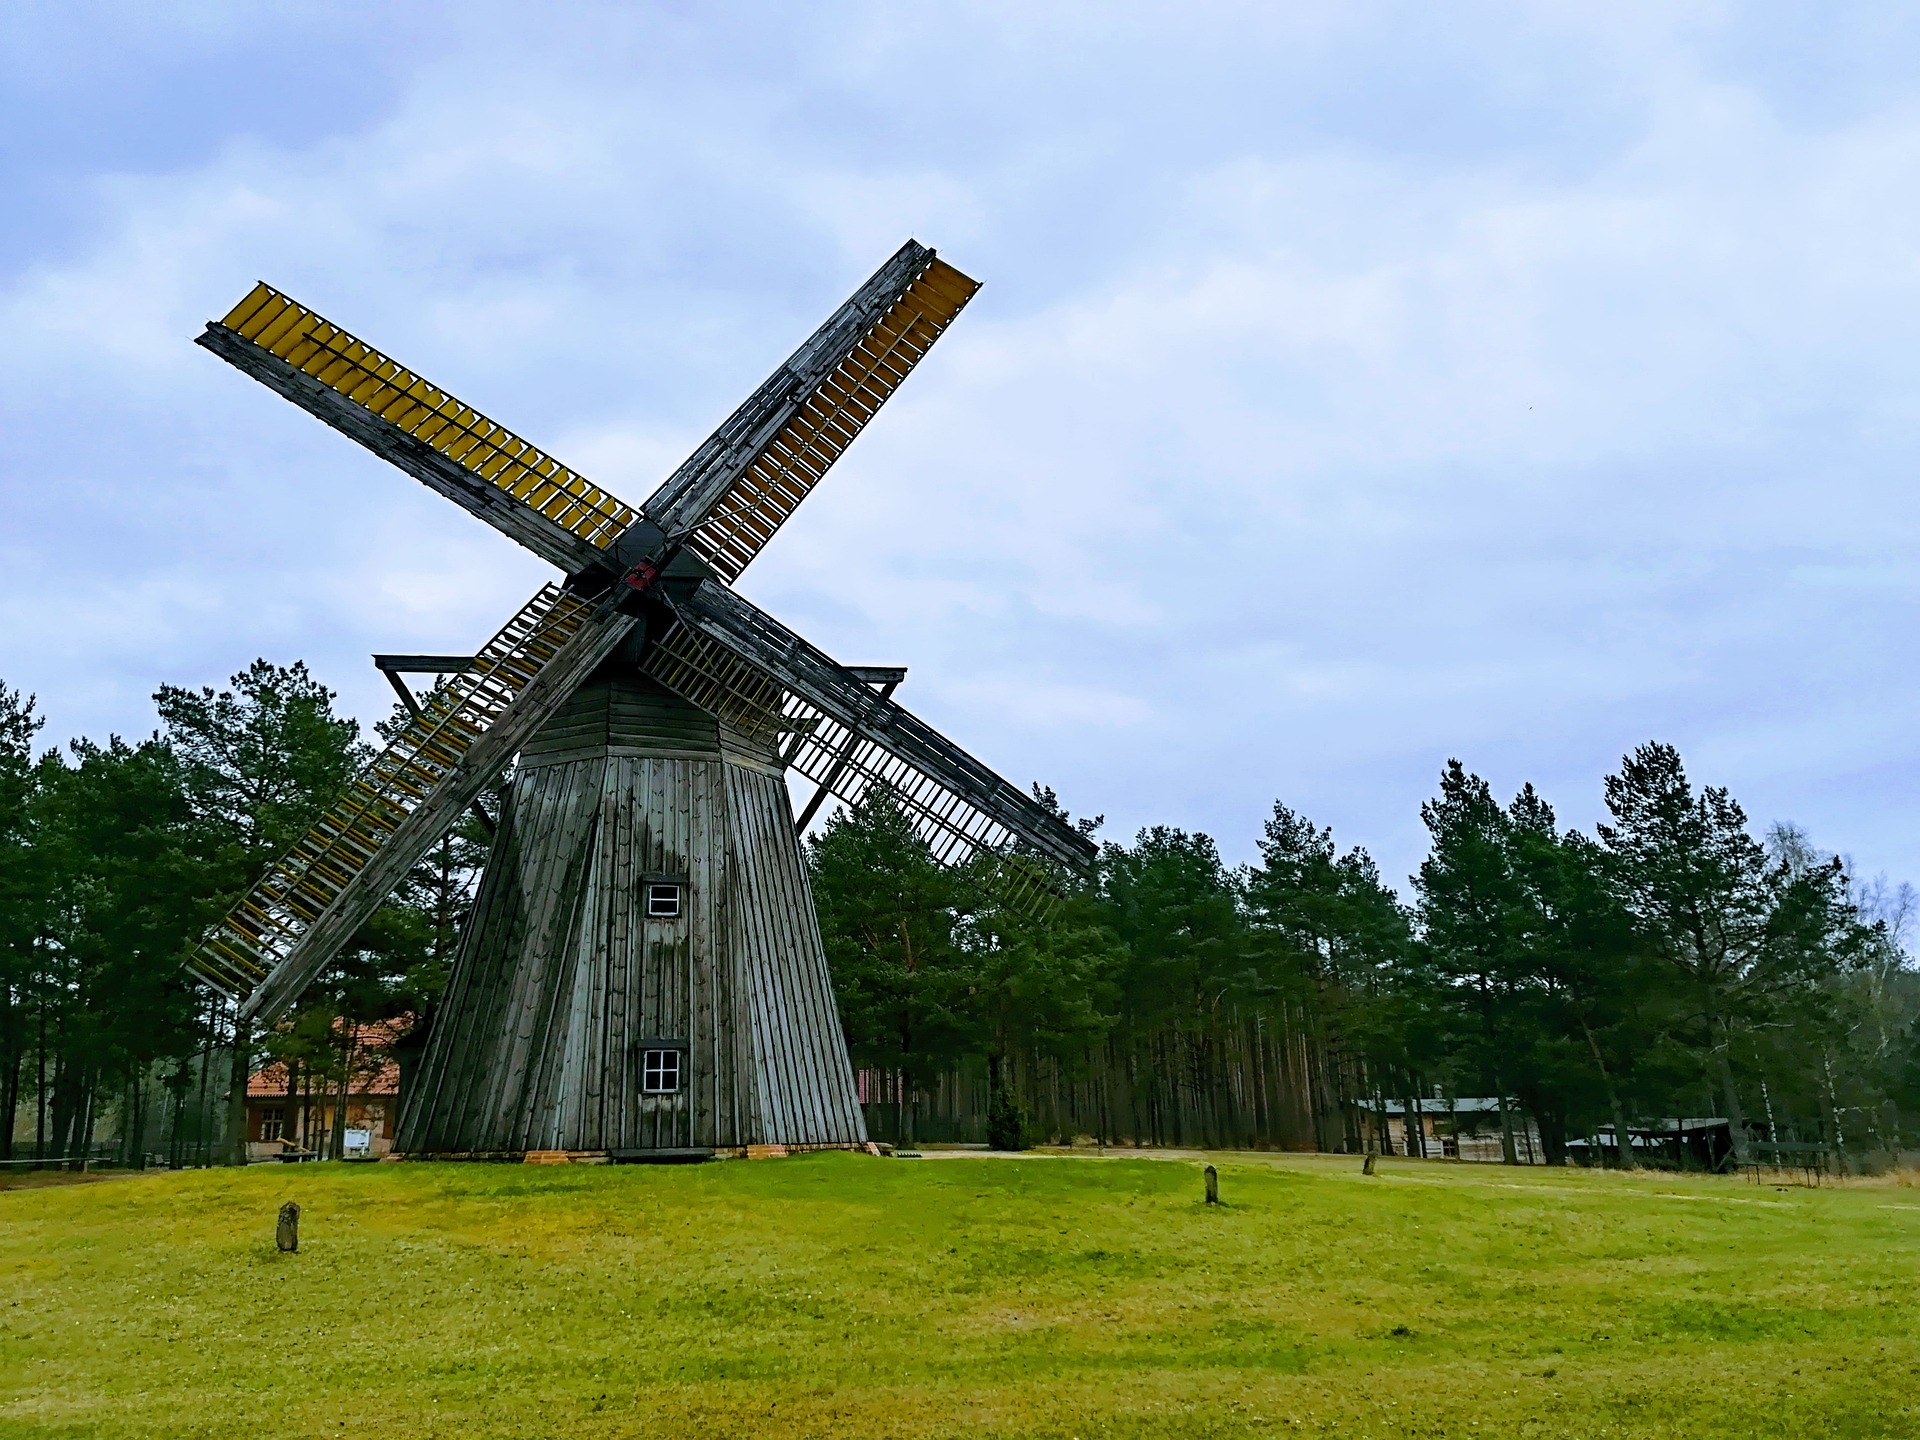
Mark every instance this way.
x=293 y=1109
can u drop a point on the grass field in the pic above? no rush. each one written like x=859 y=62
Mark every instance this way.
x=843 y=1295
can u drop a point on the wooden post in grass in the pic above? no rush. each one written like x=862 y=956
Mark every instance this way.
x=1213 y=1185
x=287 y=1233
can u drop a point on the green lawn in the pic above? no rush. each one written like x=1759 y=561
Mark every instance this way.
x=843 y=1295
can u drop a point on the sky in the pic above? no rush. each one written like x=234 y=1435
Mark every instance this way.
x=1352 y=387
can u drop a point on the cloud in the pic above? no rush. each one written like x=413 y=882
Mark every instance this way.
x=1348 y=391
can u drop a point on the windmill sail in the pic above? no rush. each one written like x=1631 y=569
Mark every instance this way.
x=283 y=932
x=742 y=484
x=726 y=656
x=478 y=464
x=724 y=503
x=722 y=506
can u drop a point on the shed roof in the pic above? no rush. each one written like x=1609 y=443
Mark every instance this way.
x=1462 y=1105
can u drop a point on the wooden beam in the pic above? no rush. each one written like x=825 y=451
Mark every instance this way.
x=546 y=538
x=746 y=479
x=459 y=788
x=809 y=673
x=423 y=664
x=684 y=497
x=394 y=666
x=885 y=679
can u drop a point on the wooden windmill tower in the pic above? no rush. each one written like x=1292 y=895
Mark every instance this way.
x=642 y=974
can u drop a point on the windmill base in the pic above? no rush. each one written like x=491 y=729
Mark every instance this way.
x=687 y=1155
x=581 y=1017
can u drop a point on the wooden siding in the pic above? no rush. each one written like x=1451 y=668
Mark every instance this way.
x=561 y=975
x=804 y=1081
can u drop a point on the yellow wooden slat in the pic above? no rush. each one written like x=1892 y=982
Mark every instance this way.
x=382 y=385
x=793 y=461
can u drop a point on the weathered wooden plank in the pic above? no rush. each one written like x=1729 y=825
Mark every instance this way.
x=791 y=917
x=561 y=976
x=809 y=980
x=553 y=894
x=580 y=1086
x=688 y=495
x=459 y=788
x=782 y=1078
x=460 y=1066
x=701 y=960
x=485 y=1124
x=540 y=534
x=621 y=971
x=462 y=1009
x=664 y=781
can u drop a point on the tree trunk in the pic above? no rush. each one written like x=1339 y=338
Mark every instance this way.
x=133 y=1119
x=176 y=1135
x=237 y=1092
x=40 y=1089
x=1736 y=1117
x=10 y=1097
x=339 y=1146
x=205 y=1116
x=1622 y=1142
x=62 y=1108
x=1833 y=1115
x=83 y=1119
x=1773 y=1126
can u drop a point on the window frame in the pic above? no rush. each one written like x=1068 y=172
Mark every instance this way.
x=653 y=890
x=671 y=1061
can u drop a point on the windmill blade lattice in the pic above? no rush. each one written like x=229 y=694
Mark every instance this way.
x=643 y=973
x=726 y=656
x=401 y=804
x=482 y=466
x=742 y=484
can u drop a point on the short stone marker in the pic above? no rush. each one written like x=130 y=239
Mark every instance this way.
x=287 y=1233
x=1366 y=1166
x=1213 y=1185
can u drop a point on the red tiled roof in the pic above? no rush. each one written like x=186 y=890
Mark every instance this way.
x=375 y=1072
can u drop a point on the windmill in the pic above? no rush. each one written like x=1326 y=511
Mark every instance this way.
x=642 y=974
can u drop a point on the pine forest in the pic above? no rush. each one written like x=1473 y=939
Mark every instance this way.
x=1543 y=987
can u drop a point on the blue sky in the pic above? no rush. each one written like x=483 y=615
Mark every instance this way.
x=1352 y=386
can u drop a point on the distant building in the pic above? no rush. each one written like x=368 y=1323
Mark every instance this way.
x=1683 y=1143
x=1468 y=1128
x=1462 y=1128
x=293 y=1117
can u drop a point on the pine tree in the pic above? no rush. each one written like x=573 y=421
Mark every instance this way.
x=1748 y=938
x=1327 y=940
x=888 y=914
x=20 y=895
x=259 y=763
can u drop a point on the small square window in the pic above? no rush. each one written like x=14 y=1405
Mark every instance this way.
x=660 y=1072
x=273 y=1122
x=663 y=901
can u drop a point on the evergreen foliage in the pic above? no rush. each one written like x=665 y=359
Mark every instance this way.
x=1006 y=1121
x=1671 y=965
x=114 y=859
x=1674 y=963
